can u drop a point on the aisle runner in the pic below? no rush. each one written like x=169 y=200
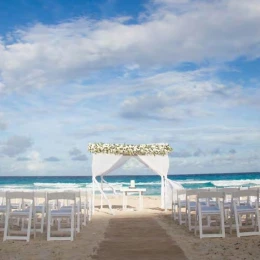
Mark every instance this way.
x=137 y=238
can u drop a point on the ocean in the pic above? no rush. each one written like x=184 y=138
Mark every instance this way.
x=150 y=182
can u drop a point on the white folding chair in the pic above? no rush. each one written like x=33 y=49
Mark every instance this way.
x=40 y=209
x=26 y=213
x=86 y=205
x=209 y=211
x=2 y=209
x=191 y=204
x=2 y=197
x=180 y=206
x=245 y=209
x=228 y=201
x=257 y=189
x=78 y=209
x=61 y=214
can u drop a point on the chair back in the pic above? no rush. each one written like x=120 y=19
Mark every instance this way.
x=246 y=193
x=245 y=197
x=228 y=190
x=211 y=194
x=19 y=195
x=61 y=196
x=194 y=192
x=228 y=193
x=2 y=197
x=254 y=188
x=40 y=197
x=181 y=194
x=19 y=199
x=40 y=194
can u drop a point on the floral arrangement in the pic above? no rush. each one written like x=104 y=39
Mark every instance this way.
x=131 y=150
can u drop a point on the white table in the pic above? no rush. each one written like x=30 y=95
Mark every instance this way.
x=126 y=192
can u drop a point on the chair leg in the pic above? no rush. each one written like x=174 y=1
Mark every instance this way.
x=230 y=223
x=189 y=219
x=6 y=225
x=179 y=214
x=29 y=225
x=72 y=225
x=78 y=221
x=42 y=222
x=49 y=226
x=237 y=221
x=222 y=221
x=258 y=220
x=85 y=215
x=59 y=225
x=200 y=223
x=195 y=224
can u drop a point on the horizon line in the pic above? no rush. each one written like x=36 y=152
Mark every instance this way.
x=4 y=176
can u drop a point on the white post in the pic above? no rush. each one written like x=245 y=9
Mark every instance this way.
x=101 y=196
x=93 y=195
x=165 y=193
x=162 y=192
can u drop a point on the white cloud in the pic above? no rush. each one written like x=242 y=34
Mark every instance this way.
x=186 y=95
x=51 y=55
x=16 y=145
x=98 y=130
x=75 y=152
x=3 y=123
x=35 y=164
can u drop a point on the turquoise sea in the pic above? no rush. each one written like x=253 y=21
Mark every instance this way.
x=150 y=182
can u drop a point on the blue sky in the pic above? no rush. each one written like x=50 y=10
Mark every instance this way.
x=181 y=72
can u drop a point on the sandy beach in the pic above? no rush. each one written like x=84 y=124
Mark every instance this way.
x=104 y=229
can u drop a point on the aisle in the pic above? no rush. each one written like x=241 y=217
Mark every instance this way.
x=137 y=238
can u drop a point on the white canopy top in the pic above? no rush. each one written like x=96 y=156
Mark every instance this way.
x=102 y=164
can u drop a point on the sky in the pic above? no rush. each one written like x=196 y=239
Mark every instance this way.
x=183 y=72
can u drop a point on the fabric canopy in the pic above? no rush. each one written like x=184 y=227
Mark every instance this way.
x=103 y=164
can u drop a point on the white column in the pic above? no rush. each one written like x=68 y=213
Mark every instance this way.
x=101 y=195
x=162 y=192
x=93 y=195
x=165 y=194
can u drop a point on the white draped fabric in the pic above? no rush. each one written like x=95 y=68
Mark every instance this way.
x=171 y=192
x=102 y=164
x=105 y=163
x=157 y=163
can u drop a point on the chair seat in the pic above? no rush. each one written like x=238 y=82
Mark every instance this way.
x=68 y=208
x=15 y=205
x=20 y=213
x=253 y=203
x=39 y=208
x=210 y=209
x=193 y=204
x=60 y=213
x=227 y=205
x=245 y=209
x=212 y=203
x=2 y=208
x=182 y=203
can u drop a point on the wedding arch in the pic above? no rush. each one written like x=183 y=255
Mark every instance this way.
x=108 y=157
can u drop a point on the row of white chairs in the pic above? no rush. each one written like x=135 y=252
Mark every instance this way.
x=21 y=212
x=232 y=206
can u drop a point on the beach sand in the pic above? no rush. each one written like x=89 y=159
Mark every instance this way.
x=97 y=240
